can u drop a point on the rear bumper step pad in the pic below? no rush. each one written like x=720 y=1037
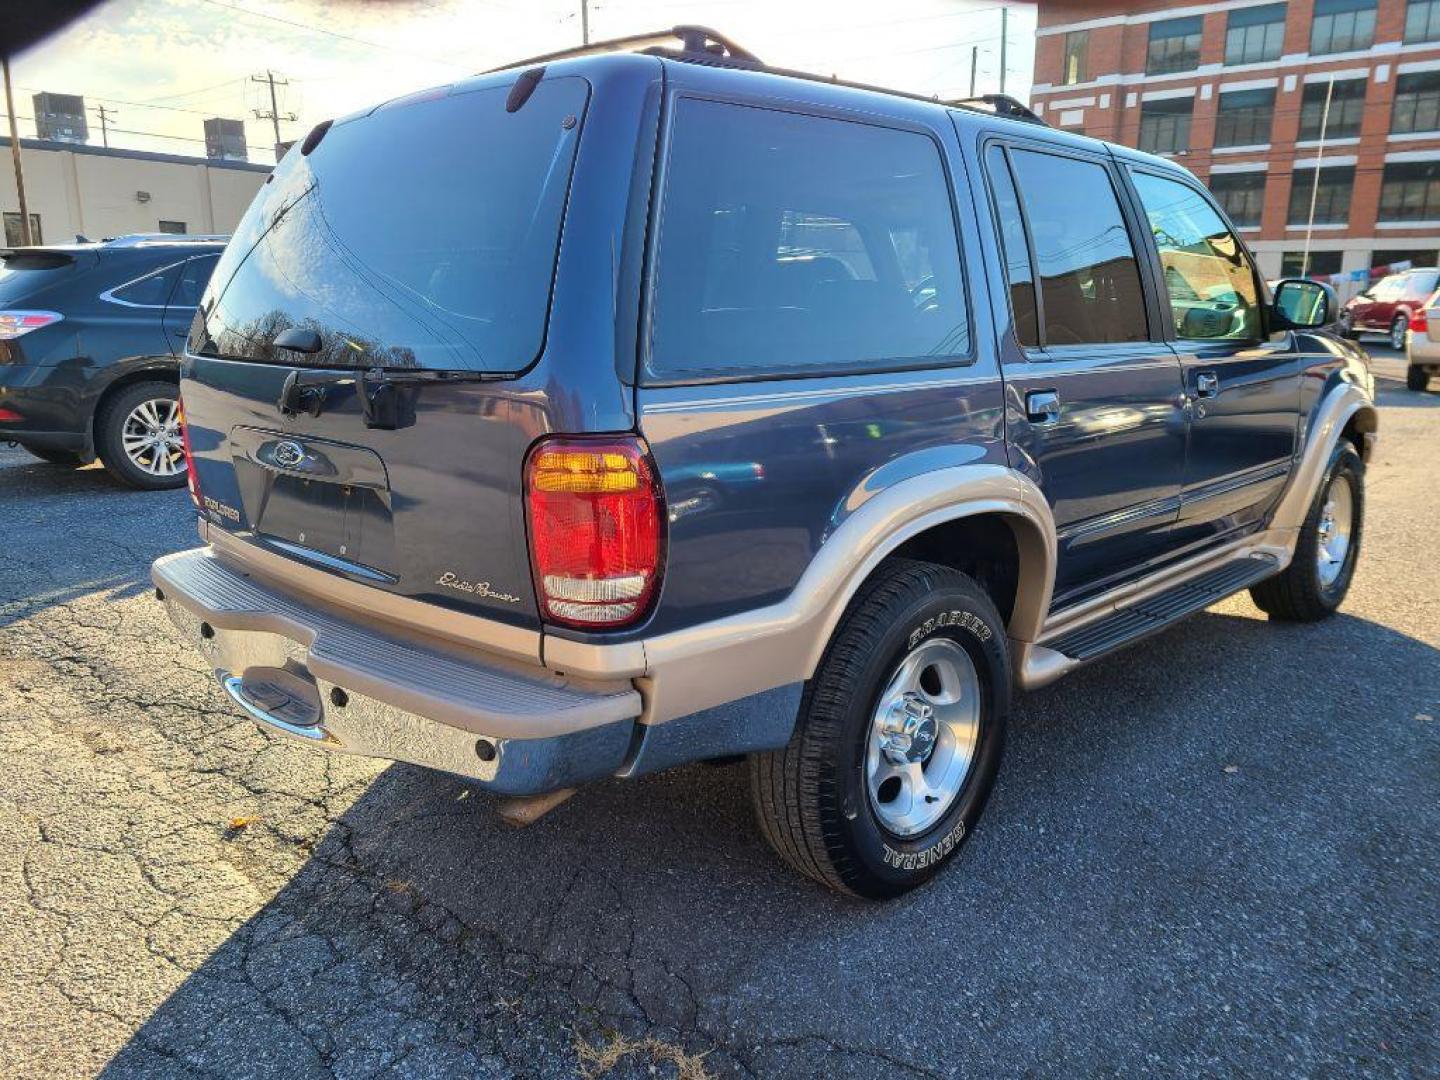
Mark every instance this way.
x=516 y=730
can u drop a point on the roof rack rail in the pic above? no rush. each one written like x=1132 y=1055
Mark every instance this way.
x=140 y=239
x=700 y=44
x=696 y=42
x=1000 y=105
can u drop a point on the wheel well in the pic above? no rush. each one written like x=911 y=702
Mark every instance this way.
x=124 y=381
x=1364 y=422
x=983 y=546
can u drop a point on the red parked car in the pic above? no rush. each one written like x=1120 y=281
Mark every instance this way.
x=1388 y=306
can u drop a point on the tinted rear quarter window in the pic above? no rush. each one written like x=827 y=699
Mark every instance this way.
x=1089 y=280
x=152 y=290
x=193 y=278
x=423 y=235
x=792 y=243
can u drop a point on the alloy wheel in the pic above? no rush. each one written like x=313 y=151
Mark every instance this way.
x=151 y=438
x=923 y=737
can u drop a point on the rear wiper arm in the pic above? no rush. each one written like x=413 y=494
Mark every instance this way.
x=387 y=396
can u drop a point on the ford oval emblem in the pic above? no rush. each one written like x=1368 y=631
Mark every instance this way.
x=288 y=454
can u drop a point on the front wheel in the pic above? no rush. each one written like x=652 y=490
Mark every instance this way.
x=1319 y=574
x=899 y=736
x=1398 y=326
x=137 y=435
x=1416 y=377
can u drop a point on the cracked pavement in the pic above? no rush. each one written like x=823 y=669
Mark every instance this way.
x=1218 y=852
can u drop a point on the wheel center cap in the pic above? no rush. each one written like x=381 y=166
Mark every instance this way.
x=909 y=729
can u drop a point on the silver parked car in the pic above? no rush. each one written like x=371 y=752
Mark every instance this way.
x=1422 y=345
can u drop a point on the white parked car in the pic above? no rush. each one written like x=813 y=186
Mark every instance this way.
x=1422 y=345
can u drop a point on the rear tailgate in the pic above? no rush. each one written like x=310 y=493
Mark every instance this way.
x=410 y=256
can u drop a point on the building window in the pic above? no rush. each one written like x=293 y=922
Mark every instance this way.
x=172 y=227
x=1322 y=263
x=1422 y=21
x=1347 y=109
x=12 y=229
x=1165 y=125
x=1332 y=195
x=1342 y=26
x=1410 y=191
x=1174 y=45
x=1243 y=117
x=1256 y=34
x=1414 y=256
x=1077 y=49
x=1417 y=103
x=1240 y=195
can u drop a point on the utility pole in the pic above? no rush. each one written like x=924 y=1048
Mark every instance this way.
x=274 y=115
x=25 y=237
x=106 y=115
x=1315 y=180
x=1004 y=41
x=974 y=62
x=585 y=22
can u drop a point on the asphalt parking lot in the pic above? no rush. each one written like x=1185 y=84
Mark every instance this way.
x=1218 y=852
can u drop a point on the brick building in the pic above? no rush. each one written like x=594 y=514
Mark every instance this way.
x=1237 y=91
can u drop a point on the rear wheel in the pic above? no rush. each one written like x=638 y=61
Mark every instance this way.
x=1416 y=377
x=54 y=457
x=137 y=435
x=1398 y=326
x=1319 y=575
x=899 y=736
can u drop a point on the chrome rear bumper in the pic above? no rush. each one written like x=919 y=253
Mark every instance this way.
x=326 y=680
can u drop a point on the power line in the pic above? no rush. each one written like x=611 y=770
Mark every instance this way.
x=189 y=93
x=335 y=34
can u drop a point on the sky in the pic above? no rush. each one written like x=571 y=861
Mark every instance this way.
x=163 y=66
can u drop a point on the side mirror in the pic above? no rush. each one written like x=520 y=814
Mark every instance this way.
x=1301 y=304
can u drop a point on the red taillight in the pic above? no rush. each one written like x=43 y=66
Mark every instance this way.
x=1420 y=320
x=595 y=529
x=191 y=480
x=14 y=324
x=9 y=414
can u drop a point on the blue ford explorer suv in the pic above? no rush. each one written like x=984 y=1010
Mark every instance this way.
x=647 y=405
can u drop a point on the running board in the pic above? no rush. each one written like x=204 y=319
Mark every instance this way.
x=1128 y=624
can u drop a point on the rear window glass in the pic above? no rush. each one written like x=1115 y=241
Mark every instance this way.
x=25 y=273
x=421 y=236
x=793 y=243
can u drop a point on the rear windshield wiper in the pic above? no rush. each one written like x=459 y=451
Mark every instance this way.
x=387 y=395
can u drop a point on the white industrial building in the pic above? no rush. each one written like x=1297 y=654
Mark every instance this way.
x=93 y=191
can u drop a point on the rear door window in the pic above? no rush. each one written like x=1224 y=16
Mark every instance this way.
x=421 y=235
x=1089 y=280
x=193 y=278
x=792 y=243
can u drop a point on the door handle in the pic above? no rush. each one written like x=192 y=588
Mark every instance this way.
x=1042 y=406
x=1207 y=384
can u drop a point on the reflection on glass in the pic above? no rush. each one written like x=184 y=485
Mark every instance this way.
x=1089 y=281
x=1207 y=274
x=423 y=235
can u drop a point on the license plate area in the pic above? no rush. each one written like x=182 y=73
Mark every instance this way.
x=322 y=496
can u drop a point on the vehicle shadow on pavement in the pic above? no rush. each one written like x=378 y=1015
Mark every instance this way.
x=1152 y=821
x=125 y=530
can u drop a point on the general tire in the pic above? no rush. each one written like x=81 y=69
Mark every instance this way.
x=811 y=798
x=1416 y=378
x=1398 y=326
x=1298 y=593
x=109 y=435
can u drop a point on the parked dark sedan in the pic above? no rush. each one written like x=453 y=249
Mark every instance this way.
x=89 y=339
